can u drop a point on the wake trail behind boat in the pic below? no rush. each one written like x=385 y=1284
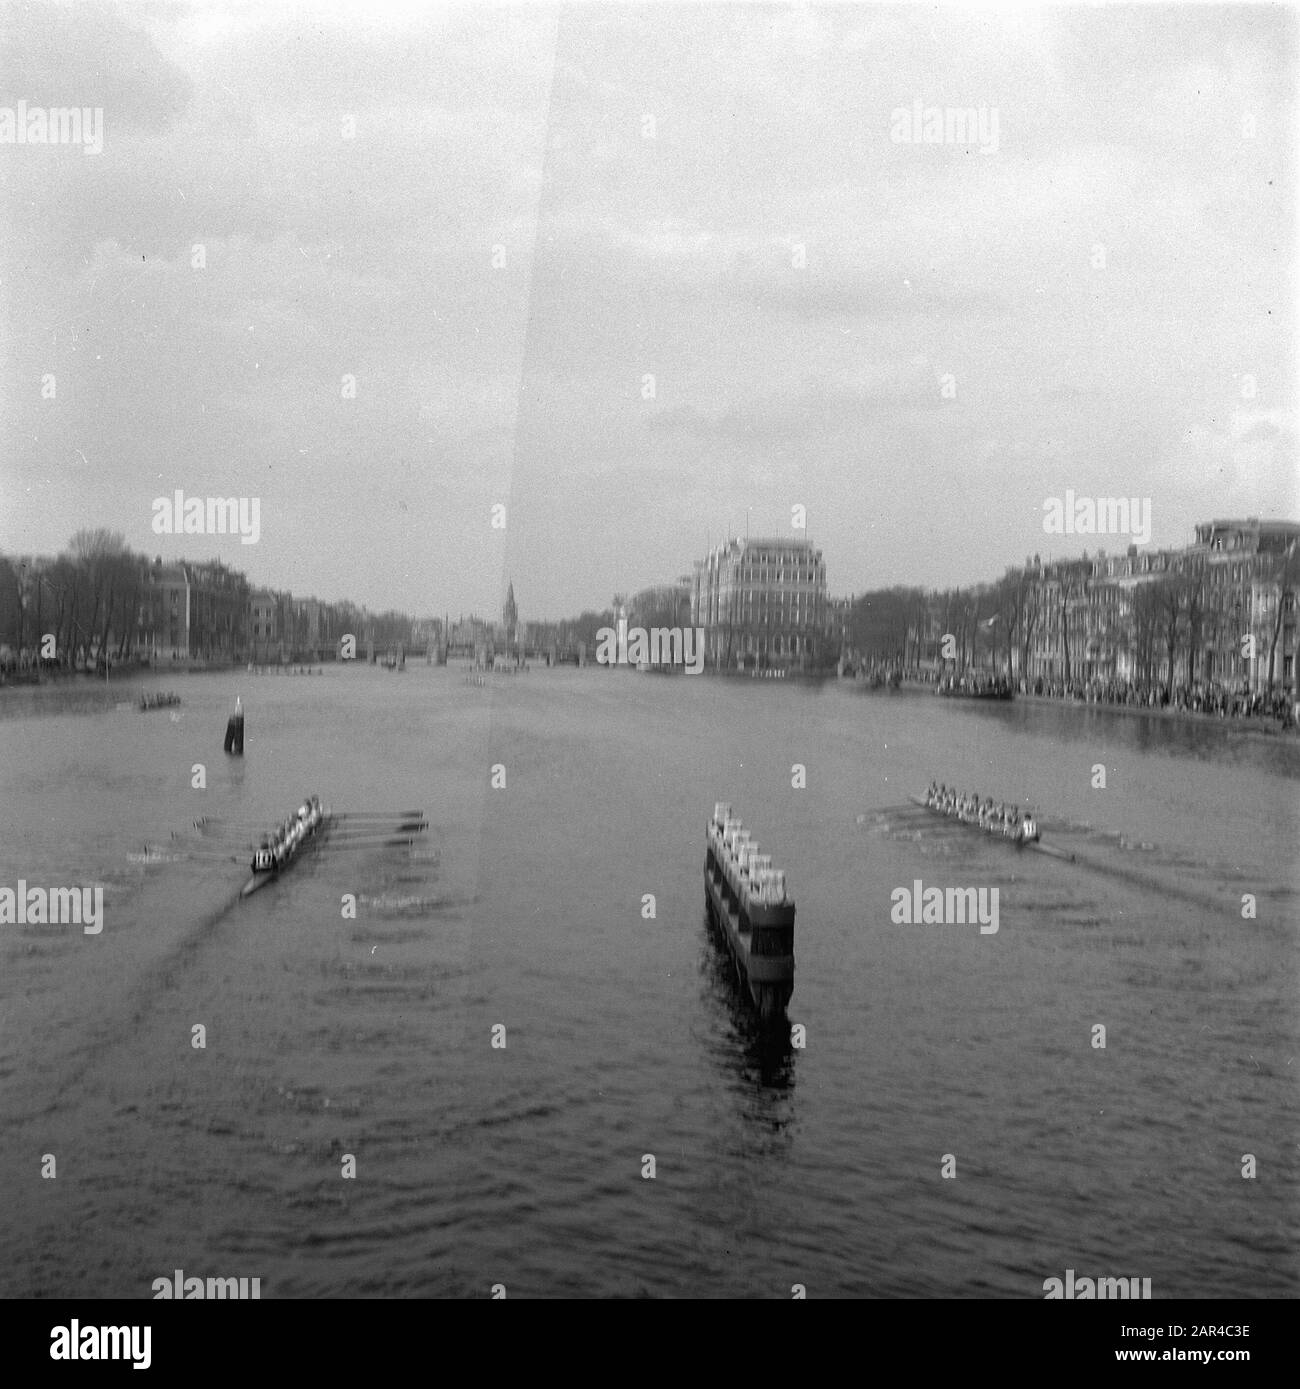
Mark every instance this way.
x=1147 y=882
x=105 y=1019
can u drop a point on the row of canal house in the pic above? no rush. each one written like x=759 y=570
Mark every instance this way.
x=1221 y=610
x=209 y=612
x=189 y=611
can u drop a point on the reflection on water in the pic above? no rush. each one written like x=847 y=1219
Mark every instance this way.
x=761 y=1053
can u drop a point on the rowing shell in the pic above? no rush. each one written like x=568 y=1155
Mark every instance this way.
x=260 y=880
x=1035 y=844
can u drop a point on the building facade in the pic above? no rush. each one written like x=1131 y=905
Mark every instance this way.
x=266 y=625
x=218 y=611
x=762 y=604
x=838 y=612
x=1219 y=612
x=163 y=630
x=1217 y=616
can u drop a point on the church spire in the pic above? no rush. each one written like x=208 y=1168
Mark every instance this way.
x=510 y=614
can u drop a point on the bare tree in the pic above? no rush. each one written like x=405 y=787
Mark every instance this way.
x=1193 y=586
x=1168 y=599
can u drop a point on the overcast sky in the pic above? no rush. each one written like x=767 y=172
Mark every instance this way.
x=666 y=247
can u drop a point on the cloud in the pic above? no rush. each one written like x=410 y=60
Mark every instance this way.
x=818 y=406
x=849 y=296
x=85 y=55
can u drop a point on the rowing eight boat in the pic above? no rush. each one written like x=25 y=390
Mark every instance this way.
x=261 y=879
x=368 y=833
x=1035 y=844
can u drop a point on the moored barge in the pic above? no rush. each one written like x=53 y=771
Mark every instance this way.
x=747 y=899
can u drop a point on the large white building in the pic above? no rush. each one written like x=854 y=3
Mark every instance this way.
x=761 y=603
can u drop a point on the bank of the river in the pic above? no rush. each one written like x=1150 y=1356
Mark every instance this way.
x=1261 y=725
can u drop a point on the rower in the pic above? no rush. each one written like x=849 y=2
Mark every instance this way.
x=262 y=857
x=1028 y=827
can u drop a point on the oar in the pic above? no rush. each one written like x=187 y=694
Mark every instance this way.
x=347 y=822
x=365 y=826
x=375 y=838
x=370 y=843
x=339 y=822
x=245 y=836
x=217 y=823
x=354 y=831
x=376 y=827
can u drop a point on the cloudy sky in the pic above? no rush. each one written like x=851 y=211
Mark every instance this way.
x=643 y=276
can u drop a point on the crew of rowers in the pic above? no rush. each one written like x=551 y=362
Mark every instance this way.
x=753 y=873
x=969 y=808
x=277 y=848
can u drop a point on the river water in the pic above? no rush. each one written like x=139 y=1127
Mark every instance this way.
x=523 y=1165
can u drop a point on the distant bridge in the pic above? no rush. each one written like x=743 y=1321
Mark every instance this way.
x=367 y=653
